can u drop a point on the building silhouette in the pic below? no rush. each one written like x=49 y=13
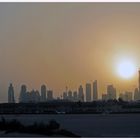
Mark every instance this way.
x=88 y=92
x=70 y=95
x=111 y=92
x=64 y=95
x=34 y=96
x=11 y=98
x=75 y=96
x=80 y=94
x=23 y=94
x=95 y=90
x=136 y=94
x=49 y=95
x=139 y=81
x=43 y=93
x=128 y=96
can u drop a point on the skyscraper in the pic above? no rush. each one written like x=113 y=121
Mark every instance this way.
x=70 y=95
x=49 y=95
x=139 y=81
x=11 y=98
x=43 y=93
x=64 y=95
x=95 y=90
x=80 y=94
x=75 y=96
x=88 y=92
x=136 y=94
x=34 y=96
x=111 y=92
x=37 y=95
x=137 y=90
x=23 y=94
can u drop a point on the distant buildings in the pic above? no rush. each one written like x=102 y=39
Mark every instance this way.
x=49 y=95
x=139 y=81
x=111 y=92
x=75 y=96
x=34 y=96
x=136 y=94
x=11 y=98
x=104 y=97
x=80 y=94
x=127 y=96
x=95 y=90
x=43 y=93
x=88 y=92
x=23 y=98
x=137 y=90
x=69 y=95
x=65 y=96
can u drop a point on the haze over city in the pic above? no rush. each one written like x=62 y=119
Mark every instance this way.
x=69 y=44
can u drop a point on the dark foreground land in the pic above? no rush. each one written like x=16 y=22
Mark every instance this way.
x=85 y=125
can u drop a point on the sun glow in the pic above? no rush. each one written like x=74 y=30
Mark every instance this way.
x=126 y=69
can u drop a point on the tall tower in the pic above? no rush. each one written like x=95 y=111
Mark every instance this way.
x=70 y=95
x=139 y=81
x=95 y=90
x=43 y=93
x=23 y=92
x=49 y=95
x=111 y=92
x=88 y=92
x=11 y=98
x=80 y=94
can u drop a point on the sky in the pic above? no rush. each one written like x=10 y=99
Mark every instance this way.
x=67 y=44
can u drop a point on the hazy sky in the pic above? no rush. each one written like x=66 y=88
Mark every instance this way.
x=69 y=44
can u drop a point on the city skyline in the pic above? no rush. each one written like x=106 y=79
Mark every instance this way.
x=87 y=94
x=68 y=44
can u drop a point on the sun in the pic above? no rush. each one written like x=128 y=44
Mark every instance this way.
x=126 y=69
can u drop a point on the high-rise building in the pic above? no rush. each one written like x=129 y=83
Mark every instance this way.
x=139 y=81
x=80 y=94
x=38 y=98
x=70 y=95
x=28 y=97
x=95 y=90
x=34 y=96
x=75 y=96
x=11 y=98
x=64 y=95
x=88 y=92
x=49 y=95
x=111 y=92
x=136 y=94
x=23 y=94
x=43 y=93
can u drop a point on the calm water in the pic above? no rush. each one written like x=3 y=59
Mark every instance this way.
x=99 y=125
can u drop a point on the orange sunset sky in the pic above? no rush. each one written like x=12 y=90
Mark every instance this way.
x=67 y=44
